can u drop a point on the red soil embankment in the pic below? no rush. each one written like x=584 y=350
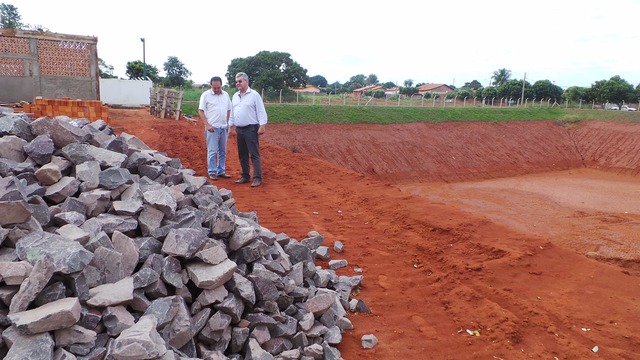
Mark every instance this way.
x=464 y=151
x=432 y=271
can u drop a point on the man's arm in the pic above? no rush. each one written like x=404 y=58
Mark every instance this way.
x=206 y=123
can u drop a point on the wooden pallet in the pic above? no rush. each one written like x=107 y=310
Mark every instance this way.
x=166 y=103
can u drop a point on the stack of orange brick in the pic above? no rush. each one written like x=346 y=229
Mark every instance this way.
x=88 y=109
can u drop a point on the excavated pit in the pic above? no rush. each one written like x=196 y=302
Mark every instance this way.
x=525 y=232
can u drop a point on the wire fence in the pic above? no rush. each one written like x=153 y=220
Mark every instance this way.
x=426 y=100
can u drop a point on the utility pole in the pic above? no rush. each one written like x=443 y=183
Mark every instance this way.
x=523 y=82
x=144 y=61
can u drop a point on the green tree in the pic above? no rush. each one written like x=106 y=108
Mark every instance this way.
x=463 y=93
x=318 y=81
x=176 y=73
x=488 y=93
x=618 y=91
x=355 y=82
x=408 y=90
x=575 y=93
x=545 y=89
x=272 y=71
x=474 y=85
x=372 y=79
x=512 y=90
x=594 y=92
x=10 y=17
x=336 y=87
x=408 y=83
x=500 y=76
x=389 y=85
x=135 y=70
x=105 y=70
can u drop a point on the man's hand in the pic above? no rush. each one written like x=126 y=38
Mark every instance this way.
x=232 y=131
x=261 y=130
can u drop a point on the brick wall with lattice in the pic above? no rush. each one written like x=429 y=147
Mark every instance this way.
x=47 y=64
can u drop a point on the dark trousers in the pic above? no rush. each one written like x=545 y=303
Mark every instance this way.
x=249 y=148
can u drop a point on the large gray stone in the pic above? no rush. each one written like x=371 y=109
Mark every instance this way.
x=14 y=212
x=112 y=294
x=141 y=341
x=79 y=153
x=52 y=316
x=32 y=286
x=66 y=255
x=38 y=346
x=59 y=130
x=14 y=124
x=60 y=191
x=207 y=276
x=12 y=148
x=113 y=178
x=40 y=149
x=184 y=242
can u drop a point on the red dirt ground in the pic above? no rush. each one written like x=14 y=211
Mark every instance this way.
x=525 y=232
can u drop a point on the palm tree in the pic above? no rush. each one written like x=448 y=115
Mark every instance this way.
x=501 y=76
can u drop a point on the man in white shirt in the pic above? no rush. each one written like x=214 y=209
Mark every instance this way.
x=215 y=109
x=248 y=120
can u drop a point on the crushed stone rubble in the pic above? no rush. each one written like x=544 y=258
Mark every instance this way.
x=112 y=250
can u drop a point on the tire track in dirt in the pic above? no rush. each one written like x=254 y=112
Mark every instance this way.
x=609 y=146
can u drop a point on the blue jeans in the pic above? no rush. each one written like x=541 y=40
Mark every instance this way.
x=216 y=150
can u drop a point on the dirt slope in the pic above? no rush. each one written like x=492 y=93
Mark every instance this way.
x=433 y=271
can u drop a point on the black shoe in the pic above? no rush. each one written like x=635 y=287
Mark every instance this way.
x=213 y=177
x=224 y=176
x=242 y=181
x=256 y=183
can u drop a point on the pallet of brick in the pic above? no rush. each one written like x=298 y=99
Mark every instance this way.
x=89 y=109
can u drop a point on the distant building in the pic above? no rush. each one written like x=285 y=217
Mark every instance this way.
x=360 y=91
x=309 y=89
x=392 y=91
x=440 y=89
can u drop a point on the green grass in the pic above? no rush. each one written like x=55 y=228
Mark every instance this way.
x=338 y=113
x=308 y=114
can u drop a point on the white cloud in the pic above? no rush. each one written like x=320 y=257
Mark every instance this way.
x=455 y=42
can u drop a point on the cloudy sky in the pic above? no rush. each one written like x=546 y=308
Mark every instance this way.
x=452 y=42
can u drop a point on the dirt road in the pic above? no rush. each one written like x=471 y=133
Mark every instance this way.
x=476 y=240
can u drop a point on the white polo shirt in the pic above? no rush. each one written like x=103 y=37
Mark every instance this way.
x=215 y=107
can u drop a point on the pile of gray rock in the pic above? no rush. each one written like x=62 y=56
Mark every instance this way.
x=112 y=250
